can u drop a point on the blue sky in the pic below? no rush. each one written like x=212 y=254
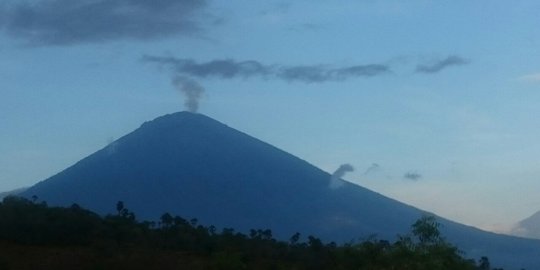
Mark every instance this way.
x=434 y=103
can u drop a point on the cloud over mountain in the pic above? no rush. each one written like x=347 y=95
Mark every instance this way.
x=230 y=68
x=413 y=176
x=439 y=65
x=66 y=22
x=371 y=169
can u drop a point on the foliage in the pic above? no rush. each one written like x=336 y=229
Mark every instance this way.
x=79 y=239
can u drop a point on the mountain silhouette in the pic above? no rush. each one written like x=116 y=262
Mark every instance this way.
x=191 y=165
x=529 y=227
x=11 y=192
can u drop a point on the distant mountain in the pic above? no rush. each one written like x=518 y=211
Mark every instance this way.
x=11 y=192
x=193 y=166
x=529 y=227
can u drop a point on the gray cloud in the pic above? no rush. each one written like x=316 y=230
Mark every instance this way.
x=191 y=90
x=373 y=168
x=439 y=65
x=305 y=27
x=335 y=179
x=228 y=69
x=276 y=8
x=225 y=69
x=314 y=74
x=362 y=70
x=414 y=176
x=66 y=22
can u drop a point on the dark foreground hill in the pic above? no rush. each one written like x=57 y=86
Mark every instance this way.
x=191 y=165
x=34 y=236
x=11 y=192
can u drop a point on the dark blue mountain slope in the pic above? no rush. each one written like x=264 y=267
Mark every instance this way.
x=193 y=166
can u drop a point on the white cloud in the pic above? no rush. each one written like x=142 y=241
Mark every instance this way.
x=535 y=77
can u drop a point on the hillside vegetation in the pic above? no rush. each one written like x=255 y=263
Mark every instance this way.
x=35 y=236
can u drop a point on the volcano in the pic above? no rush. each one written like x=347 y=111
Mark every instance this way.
x=529 y=227
x=193 y=166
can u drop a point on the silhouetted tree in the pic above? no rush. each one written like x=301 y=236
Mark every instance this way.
x=294 y=238
x=166 y=220
x=121 y=242
x=426 y=230
x=120 y=207
x=483 y=263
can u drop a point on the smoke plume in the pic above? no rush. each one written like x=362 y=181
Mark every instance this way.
x=335 y=179
x=192 y=92
x=373 y=168
x=436 y=66
x=230 y=69
x=413 y=176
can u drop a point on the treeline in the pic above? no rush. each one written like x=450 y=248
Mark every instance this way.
x=35 y=236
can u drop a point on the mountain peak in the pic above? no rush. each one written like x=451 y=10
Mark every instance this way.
x=191 y=165
x=529 y=227
x=179 y=118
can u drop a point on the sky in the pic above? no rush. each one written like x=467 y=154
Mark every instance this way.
x=433 y=103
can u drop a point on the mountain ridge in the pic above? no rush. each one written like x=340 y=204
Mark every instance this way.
x=202 y=123
x=528 y=227
x=194 y=166
x=12 y=192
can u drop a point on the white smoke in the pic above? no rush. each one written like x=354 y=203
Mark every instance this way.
x=112 y=145
x=335 y=180
x=192 y=91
